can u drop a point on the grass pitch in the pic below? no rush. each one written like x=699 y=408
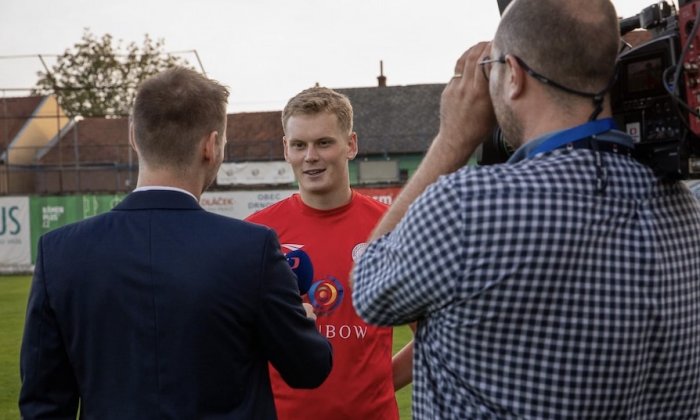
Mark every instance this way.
x=13 y=302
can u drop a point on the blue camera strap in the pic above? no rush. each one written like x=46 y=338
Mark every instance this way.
x=597 y=135
x=573 y=135
x=577 y=137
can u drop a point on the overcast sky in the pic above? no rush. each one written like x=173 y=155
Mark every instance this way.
x=265 y=50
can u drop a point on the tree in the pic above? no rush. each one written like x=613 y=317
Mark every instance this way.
x=95 y=78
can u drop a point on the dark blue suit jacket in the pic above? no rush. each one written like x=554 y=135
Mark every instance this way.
x=161 y=310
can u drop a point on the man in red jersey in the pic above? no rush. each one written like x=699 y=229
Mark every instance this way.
x=331 y=223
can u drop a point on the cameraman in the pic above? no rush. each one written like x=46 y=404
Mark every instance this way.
x=563 y=283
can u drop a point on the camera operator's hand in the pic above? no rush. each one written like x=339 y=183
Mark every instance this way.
x=466 y=112
x=466 y=119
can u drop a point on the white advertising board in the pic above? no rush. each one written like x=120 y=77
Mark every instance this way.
x=241 y=204
x=255 y=173
x=15 y=243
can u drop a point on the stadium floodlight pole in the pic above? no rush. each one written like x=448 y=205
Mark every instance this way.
x=50 y=75
x=58 y=118
x=201 y=66
x=200 y=62
x=43 y=63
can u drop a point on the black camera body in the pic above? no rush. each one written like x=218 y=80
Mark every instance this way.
x=656 y=109
x=650 y=100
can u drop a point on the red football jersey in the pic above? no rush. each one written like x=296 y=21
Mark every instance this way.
x=360 y=385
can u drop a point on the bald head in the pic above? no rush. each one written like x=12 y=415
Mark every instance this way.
x=572 y=42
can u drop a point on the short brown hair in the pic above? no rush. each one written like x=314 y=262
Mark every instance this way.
x=574 y=42
x=172 y=111
x=316 y=100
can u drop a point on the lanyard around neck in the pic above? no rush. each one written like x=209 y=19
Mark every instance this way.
x=573 y=135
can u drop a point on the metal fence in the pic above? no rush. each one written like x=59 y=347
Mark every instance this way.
x=68 y=170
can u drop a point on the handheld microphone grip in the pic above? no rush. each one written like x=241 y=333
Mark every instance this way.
x=300 y=263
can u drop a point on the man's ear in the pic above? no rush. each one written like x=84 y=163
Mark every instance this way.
x=516 y=78
x=352 y=146
x=209 y=145
x=284 y=147
x=132 y=137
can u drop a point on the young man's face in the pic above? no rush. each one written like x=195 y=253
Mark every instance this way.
x=318 y=151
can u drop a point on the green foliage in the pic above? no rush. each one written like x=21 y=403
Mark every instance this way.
x=97 y=77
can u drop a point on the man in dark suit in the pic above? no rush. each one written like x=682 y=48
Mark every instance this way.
x=159 y=309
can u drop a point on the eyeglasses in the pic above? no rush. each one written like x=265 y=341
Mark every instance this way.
x=537 y=76
x=486 y=70
x=487 y=62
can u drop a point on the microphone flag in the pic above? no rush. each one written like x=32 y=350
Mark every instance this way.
x=300 y=263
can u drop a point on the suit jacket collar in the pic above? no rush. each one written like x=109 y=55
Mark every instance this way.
x=158 y=199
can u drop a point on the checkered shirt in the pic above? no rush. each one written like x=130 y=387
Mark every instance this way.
x=537 y=298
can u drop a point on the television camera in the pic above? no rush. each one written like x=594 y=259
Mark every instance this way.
x=656 y=95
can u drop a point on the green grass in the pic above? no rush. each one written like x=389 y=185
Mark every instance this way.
x=13 y=303
x=402 y=335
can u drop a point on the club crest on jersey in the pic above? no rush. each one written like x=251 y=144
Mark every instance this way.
x=358 y=250
x=326 y=295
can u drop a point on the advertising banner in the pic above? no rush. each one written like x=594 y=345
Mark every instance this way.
x=48 y=213
x=255 y=173
x=241 y=204
x=384 y=195
x=15 y=246
x=23 y=219
x=98 y=204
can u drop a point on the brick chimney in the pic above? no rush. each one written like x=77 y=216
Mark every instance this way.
x=381 y=79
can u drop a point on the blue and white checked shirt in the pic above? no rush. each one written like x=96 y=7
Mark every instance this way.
x=538 y=298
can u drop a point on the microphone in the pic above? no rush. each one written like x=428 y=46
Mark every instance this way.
x=300 y=263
